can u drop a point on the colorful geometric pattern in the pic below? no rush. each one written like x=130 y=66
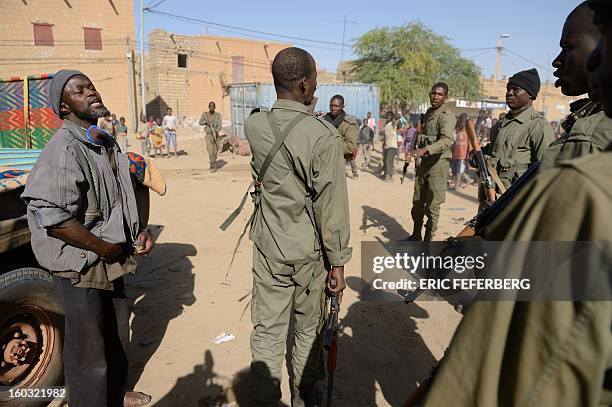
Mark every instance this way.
x=12 y=179
x=138 y=166
x=42 y=121
x=12 y=123
x=12 y=173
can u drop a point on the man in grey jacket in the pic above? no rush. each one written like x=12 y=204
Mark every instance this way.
x=85 y=228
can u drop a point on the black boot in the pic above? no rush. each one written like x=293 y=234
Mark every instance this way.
x=312 y=398
x=416 y=234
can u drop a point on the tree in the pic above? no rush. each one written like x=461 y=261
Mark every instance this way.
x=405 y=61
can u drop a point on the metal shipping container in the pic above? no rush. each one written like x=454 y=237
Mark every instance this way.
x=359 y=99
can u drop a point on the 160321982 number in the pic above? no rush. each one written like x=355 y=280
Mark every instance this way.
x=36 y=393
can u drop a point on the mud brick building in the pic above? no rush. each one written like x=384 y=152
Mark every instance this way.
x=42 y=36
x=186 y=72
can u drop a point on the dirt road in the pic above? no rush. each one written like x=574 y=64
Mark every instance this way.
x=183 y=299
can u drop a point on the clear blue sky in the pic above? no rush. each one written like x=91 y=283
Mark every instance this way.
x=469 y=24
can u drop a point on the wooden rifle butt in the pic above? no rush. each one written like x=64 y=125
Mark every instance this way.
x=471 y=134
x=467 y=231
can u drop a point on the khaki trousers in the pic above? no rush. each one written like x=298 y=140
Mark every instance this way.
x=278 y=291
x=211 y=146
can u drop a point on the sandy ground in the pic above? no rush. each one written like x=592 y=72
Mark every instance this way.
x=183 y=299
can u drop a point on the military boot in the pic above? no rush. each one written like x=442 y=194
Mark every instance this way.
x=416 y=234
x=312 y=398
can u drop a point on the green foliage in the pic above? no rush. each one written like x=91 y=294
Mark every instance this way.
x=406 y=61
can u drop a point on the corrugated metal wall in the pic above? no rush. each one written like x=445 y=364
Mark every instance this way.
x=359 y=99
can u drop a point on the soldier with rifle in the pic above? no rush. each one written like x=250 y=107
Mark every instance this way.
x=212 y=123
x=434 y=149
x=588 y=132
x=543 y=353
x=300 y=231
x=520 y=138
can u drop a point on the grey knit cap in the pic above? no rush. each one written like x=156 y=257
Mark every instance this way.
x=57 y=87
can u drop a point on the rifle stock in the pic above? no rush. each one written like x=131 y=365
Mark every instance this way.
x=485 y=177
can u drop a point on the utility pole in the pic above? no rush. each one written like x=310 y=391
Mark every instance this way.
x=498 y=49
x=130 y=61
x=343 y=36
x=344 y=22
x=142 y=64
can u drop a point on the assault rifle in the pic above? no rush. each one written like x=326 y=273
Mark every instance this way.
x=414 y=145
x=483 y=172
x=330 y=343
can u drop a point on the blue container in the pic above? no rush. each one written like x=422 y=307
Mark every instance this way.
x=359 y=99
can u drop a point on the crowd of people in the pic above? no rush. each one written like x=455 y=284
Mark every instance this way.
x=159 y=133
x=158 y=136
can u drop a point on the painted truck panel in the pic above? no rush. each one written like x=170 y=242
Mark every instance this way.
x=27 y=119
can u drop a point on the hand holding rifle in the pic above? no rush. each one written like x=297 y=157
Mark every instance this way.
x=485 y=177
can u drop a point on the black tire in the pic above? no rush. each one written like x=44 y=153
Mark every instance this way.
x=28 y=304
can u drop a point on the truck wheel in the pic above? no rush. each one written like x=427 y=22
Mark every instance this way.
x=31 y=333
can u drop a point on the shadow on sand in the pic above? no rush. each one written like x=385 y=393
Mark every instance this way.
x=159 y=292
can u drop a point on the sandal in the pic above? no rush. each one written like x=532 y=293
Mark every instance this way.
x=135 y=399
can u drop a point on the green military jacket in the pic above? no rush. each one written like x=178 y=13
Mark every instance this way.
x=438 y=134
x=283 y=228
x=548 y=353
x=517 y=142
x=589 y=135
x=348 y=129
x=212 y=123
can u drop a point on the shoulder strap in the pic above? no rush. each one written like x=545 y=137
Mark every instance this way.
x=279 y=140
x=278 y=143
x=281 y=137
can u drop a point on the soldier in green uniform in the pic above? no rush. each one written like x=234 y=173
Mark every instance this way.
x=544 y=353
x=212 y=123
x=520 y=138
x=585 y=128
x=435 y=151
x=300 y=231
x=347 y=126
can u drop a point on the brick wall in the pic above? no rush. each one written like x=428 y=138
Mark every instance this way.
x=209 y=68
x=108 y=68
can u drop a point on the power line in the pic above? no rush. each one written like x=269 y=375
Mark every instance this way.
x=527 y=60
x=267 y=38
x=204 y=22
x=481 y=54
x=156 y=4
x=476 y=49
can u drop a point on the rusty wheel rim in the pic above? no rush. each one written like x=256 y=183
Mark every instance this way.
x=27 y=342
